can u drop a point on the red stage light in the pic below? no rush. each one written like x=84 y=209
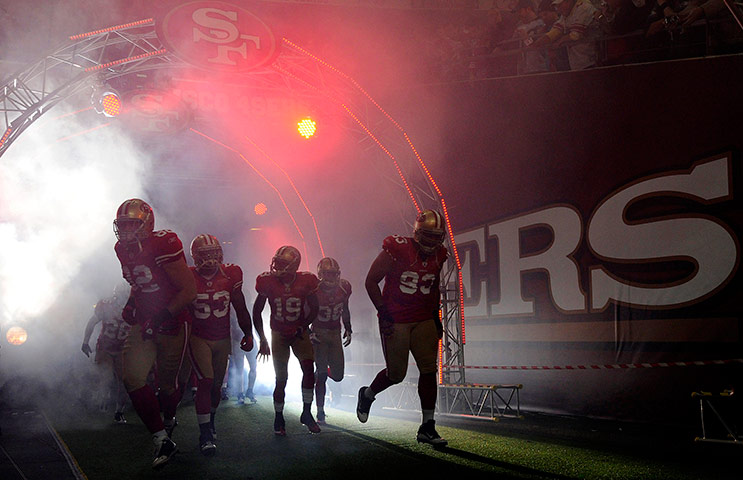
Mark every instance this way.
x=111 y=104
x=16 y=335
x=260 y=208
x=306 y=127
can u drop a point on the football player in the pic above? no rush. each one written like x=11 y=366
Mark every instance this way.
x=289 y=292
x=114 y=331
x=161 y=287
x=240 y=382
x=218 y=287
x=332 y=297
x=408 y=313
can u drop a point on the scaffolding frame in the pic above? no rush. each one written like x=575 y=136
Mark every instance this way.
x=91 y=59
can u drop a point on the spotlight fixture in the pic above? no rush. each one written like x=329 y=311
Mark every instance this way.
x=260 y=208
x=306 y=127
x=106 y=100
x=16 y=335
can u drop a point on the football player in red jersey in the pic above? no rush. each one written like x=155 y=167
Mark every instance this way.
x=288 y=292
x=408 y=312
x=161 y=287
x=114 y=331
x=332 y=297
x=218 y=286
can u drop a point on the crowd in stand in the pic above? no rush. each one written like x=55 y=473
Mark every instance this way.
x=530 y=36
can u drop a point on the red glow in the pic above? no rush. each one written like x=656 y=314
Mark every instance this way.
x=441 y=351
x=278 y=193
x=299 y=195
x=420 y=161
x=83 y=132
x=306 y=127
x=110 y=29
x=260 y=209
x=111 y=104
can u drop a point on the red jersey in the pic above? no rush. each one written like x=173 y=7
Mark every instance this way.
x=143 y=269
x=332 y=302
x=114 y=329
x=287 y=301
x=411 y=288
x=210 y=310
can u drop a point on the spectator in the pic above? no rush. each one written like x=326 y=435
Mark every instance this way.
x=697 y=10
x=529 y=27
x=666 y=18
x=576 y=29
x=619 y=17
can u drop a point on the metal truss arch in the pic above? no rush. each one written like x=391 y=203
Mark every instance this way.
x=95 y=57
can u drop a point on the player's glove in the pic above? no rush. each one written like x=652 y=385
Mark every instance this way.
x=347 y=337
x=386 y=323
x=246 y=344
x=314 y=338
x=150 y=327
x=86 y=349
x=127 y=314
x=148 y=330
x=439 y=325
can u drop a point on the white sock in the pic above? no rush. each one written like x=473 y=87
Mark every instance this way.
x=203 y=418
x=307 y=394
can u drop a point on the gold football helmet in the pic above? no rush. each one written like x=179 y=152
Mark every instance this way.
x=134 y=221
x=206 y=252
x=429 y=230
x=285 y=261
x=328 y=271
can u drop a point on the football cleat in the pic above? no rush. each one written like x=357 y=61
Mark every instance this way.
x=251 y=397
x=363 y=406
x=427 y=434
x=224 y=394
x=321 y=417
x=164 y=453
x=307 y=420
x=279 y=425
x=119 y=417
x=208 y=448
x=241 y=399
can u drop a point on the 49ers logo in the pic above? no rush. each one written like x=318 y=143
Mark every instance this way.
x=218 y=35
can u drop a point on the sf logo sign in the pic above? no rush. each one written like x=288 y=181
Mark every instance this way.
x=217 y=36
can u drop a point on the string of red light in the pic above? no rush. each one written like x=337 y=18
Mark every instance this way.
x=126 y=60
x=364 y=127
x=291 y=182
x=281 y=197
x=420 y=162
x=146 y=21
x=615 y=366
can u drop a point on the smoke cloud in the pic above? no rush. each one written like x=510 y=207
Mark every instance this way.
x=62 y=180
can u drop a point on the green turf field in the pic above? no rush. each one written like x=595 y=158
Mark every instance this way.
x=384 y=448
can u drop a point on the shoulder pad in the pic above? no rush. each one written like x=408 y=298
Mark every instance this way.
x=395 y=244
x=345 y=286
